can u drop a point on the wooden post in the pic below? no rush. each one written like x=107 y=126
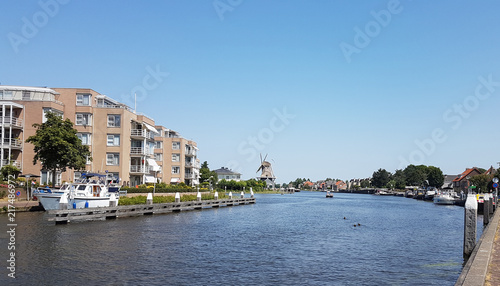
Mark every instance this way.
x=242 y=195
x=491 y=208
x=470 y=224
x=198 y=196
x=251 y=193
x=216 y=195
x=113 y=202
x=486 y=210
x=177 y=197
x=230 y=195
x=149 y=199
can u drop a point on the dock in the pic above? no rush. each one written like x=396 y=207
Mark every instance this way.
x=483 y=265
x=103 y=213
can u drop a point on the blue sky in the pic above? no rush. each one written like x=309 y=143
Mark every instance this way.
x=419 y=82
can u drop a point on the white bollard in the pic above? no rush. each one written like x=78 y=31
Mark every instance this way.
x=149 y=199
x=216 y=196
x=470 y=224
x=198 y=196
x=251 y=193
x=242 y=195
x=230 y=195
x=113 y=202
x=63 y=202
x=177 y=197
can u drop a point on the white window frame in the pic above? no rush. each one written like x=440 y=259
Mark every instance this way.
x=112 y=159
x=113 y=140
x=80 y=118
x=176 y=145
x=112 y=120
x=83 y=99
x=87 y=137
x=176 y=157
x=158 y=144
x=176 y=170
x=158 y=156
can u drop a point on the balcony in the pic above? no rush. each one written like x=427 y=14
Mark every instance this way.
x=138 y=169
x=140 y=151
x=138 y=133
x=191 y=153
x=13 y=163
x=190 y=176
x=11 y=121
x=12 y=143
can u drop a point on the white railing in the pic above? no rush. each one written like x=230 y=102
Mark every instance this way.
x=137 y=150
x=189 y=176
x=13 y=142
x=137 y=169
x=12 y=120
x=138 y=132
x=190 y=152
x=11 y=162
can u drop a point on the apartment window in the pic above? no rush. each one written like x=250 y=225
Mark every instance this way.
x=26 y=95
x=83 y=118
x=77 y=176
x=158 y=144
x=6 y=94
x=158 y=157
x=113 y=140
x=83 y=99
x=176 y=170
x=84 y=137
x=112 y=159
x=176 y=157
x=89 y=161
x=176 y=145
x=114 y=120
x=48 y=109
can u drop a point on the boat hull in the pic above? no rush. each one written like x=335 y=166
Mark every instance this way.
x=88 y=202
x=50 y=201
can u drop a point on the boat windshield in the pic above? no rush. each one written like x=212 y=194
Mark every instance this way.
x=82 y=187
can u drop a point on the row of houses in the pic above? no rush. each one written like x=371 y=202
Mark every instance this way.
x=124 y=143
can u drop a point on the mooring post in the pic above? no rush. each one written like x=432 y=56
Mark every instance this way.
x=242 y=195
x=113 y=202
x=230 y=195
x=216 y=195
x=63 y=203
x=198 y=196
x=251 y=193
x=149 y=199
x=492 y=207
x=486 y=210
x=177 y=197
x=470 y=224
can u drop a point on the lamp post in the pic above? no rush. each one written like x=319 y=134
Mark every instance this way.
x=495 y=185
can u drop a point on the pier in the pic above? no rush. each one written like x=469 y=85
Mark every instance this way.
x=483 y=264
x=86 y=214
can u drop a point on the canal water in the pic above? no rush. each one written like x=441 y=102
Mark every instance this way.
x=293 y=239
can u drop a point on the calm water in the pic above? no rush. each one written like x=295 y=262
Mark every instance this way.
x=298 y=239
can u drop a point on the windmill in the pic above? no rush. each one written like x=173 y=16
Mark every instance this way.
x=267 y=174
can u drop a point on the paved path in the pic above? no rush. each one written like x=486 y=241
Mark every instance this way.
x=483 y=267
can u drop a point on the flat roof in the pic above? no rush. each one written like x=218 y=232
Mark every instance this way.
x=28 y=88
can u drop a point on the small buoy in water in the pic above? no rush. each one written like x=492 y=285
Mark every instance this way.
x=359 y=224
x=354 y=225
x=344 y=217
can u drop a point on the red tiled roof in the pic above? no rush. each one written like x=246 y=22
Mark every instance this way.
x=465 y=174
x=308 y=183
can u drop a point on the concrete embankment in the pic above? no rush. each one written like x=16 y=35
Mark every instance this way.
x=484 y=262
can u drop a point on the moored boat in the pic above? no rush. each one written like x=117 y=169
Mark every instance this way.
x=445 y=198
x=329 y=194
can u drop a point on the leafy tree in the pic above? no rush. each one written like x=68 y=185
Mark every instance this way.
x=435 y=177
x=415 y=176
x=380 y=178
x=391 y=184
x=365 y=183
x=206 y=175
x=57 y=146
x=9 y=170
x=481 y=182
x=400 y=179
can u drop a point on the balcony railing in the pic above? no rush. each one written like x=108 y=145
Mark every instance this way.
x=137 y=169
x=190 y=152
x=12 y=121
x=138 y=133
x=11 y=162
x=14 y=143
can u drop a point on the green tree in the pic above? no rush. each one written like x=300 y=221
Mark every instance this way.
x=365 y=183
x=435 y=177
x=380 y=178
x=9 y=170
x=57 y=146
x=481 y=182
x=206 y=175
x=400 y=179
x=415 y=176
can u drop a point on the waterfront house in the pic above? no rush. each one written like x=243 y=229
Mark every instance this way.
x=461 y=182
x=448 y=182
x=340 y=185
x=226 y=174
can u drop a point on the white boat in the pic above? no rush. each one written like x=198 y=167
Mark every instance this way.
x=49 y=198
x=329 y=194
x=446 y=198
